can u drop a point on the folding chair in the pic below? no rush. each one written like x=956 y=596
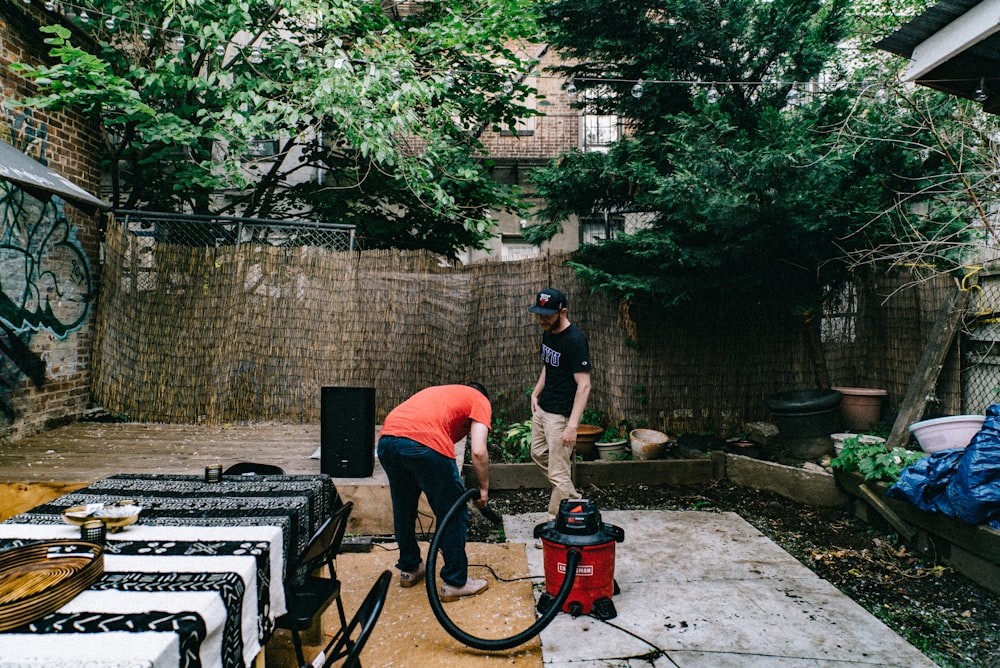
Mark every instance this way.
x=308 y=595
x=244 y=468
x=342 y=646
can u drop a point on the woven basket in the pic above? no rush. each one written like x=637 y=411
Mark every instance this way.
x=42 y=577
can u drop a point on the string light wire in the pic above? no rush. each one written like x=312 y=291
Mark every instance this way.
x=637 y=87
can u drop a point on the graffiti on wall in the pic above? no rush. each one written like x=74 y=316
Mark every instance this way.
x=45 y=279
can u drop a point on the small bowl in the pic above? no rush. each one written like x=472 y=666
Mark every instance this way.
x=115 y=516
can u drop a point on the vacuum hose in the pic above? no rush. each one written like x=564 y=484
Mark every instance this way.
x=573 y=557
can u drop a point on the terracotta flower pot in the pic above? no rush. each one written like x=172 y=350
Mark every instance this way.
x=860 y=407
x=586 y=436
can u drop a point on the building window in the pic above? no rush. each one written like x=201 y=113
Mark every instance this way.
x=598 y=129
x=599 y=132
x=262 y=148
x=525 y=127
x=600 y=226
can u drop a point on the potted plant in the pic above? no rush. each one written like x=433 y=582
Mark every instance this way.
x=587 y=434
x=612 y=445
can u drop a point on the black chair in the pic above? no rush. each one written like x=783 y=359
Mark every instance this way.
x=307 y=594
x=246 y=468
x=342 y=645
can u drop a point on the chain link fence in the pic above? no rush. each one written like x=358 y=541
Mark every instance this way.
x=212 y=231
x=981 y=348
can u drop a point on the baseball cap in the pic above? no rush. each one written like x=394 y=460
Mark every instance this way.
x=549 y=301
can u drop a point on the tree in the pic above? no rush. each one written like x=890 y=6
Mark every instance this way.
x=375 y=111
x=757 y=198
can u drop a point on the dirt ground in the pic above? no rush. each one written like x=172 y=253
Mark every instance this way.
x=952 y=620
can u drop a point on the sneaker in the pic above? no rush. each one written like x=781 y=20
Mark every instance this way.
x=411 y=578
x=538 y=543
x=472 y=587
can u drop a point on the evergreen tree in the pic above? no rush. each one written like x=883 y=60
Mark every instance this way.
x=757 y=198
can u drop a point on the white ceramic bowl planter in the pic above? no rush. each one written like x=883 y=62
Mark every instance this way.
x=946 y=433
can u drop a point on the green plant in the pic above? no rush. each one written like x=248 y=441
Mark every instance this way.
x=592 y=416
x=515 y=444
x=872 y=459
x=616 y=432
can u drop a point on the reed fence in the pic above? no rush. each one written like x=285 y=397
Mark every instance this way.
x=228 y=332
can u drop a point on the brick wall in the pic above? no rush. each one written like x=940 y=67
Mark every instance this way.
x=50 y=277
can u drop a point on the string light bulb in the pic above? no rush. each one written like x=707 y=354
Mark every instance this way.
x=84 y=17
x=256 y=56
x=980 y=95
x=571 y=89
x=147 y=34
x=50 y=5
x=881 y=95
x=712 y=96
x=180 y=41
x=109 y=23
x=508 y=86
x=220 y=50
x=637 y=90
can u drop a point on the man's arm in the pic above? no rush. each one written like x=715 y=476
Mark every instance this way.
x=539 y=386
x=480 y=460
x=582 y=379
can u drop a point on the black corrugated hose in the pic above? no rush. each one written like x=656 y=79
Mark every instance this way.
x=573 y=557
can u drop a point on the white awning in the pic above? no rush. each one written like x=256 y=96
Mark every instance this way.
x=42 y=182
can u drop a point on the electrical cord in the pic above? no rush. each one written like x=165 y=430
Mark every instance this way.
x=573 y=558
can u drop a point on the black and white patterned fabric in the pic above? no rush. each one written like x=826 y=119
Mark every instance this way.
x=198 y=577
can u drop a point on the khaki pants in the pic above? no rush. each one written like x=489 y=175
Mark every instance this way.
x=555 y=460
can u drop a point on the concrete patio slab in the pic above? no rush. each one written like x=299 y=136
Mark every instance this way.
x=702 y=589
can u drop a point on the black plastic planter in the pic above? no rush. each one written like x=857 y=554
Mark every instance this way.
x=805 y=413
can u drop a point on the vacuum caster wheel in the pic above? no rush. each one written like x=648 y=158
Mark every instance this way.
x=545 y=602
x=604 y=609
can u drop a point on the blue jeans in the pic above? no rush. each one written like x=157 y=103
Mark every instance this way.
x=413 y=468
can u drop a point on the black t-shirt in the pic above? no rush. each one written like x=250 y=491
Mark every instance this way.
x=563 y=355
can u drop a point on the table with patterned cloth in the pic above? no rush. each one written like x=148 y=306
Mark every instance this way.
x=196 y=581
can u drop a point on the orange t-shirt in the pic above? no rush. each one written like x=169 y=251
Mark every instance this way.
x=438 y=416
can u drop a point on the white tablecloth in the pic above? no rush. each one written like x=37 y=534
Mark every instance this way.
x=196 y=582
x=200 y=544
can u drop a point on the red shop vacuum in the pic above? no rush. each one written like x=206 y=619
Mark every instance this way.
x=578 y=526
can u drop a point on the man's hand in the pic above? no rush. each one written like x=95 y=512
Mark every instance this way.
x=569 y=436
x=484 y=498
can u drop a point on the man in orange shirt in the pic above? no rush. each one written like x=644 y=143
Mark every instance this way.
x=417 y=451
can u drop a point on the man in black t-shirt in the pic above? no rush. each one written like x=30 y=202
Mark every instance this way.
x=560 y=395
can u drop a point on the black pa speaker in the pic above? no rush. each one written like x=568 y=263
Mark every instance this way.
x=347 y=431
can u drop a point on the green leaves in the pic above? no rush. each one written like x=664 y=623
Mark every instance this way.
x=349 y=90
x=752 y=202
x=872 y=459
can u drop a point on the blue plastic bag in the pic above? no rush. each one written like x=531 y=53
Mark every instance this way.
x=962 y=483
x=925 y=483
x=974 y=490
